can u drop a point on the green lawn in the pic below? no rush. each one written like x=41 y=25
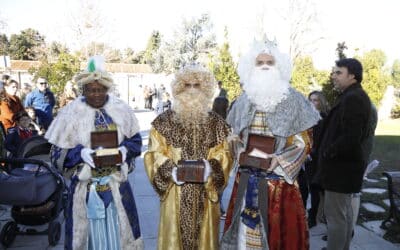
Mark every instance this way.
x=387 y=151
x=388 y=127
x=387 y=145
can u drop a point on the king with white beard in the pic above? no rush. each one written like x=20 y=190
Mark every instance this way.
x=266 y=210
x=265 y=87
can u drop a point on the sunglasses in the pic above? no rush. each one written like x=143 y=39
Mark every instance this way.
x=43 y=83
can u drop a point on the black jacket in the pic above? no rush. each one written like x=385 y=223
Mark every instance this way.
x=341 y=158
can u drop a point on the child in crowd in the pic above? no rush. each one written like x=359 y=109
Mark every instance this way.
x=16 y=135
x=34 y=125
x=166 y=101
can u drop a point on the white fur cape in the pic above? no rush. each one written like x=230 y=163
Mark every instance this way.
x=71 y=127
x=74 y=122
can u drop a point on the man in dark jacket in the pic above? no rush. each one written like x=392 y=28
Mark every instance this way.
x=342 y=160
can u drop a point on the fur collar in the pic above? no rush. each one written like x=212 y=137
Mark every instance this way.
x=73 y=122
x=291 y=116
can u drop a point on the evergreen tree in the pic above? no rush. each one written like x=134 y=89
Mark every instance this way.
x=224 y=69
x=375 y=77
x=303 y=74
x=305 y=77
x=153 y=45
x=328 y=89
x=29 y=45
x=396 y=73
x=4 y=45
x=57 y=73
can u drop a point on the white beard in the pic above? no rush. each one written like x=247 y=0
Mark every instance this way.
x=266 y=89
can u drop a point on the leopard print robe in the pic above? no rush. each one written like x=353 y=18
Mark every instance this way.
x=195 y=142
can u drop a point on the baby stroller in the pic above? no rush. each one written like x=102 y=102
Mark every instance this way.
x=35 y=190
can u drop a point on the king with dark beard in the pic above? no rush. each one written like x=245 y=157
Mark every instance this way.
x=266 y=210
x=189 y=211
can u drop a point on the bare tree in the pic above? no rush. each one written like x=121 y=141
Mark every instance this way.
x=302 y=19
x=89 y=26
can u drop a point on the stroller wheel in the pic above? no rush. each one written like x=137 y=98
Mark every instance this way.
x=8 y=233
x=54 y=232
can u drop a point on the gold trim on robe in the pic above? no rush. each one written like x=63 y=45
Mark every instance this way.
x=159 y=160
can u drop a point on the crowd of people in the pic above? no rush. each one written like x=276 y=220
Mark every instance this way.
x=157 y=99
x=281 y=146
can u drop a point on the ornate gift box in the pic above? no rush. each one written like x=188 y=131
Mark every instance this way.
x=106 y=145
x=263 y=143
x=190 y=171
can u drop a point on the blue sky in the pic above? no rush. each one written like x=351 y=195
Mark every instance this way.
x=362 y=24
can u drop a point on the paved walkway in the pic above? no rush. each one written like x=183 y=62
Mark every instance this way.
x=148 y=209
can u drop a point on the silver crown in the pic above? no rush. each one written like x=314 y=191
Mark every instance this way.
x=193 y=66
x=269 y=44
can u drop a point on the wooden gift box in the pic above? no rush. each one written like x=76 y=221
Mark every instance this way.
x=261 y=142
x=106 y=145
x=191 y=171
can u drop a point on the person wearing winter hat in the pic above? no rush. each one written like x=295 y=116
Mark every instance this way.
x=101 y=212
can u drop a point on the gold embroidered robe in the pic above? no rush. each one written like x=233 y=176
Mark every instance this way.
x=190 y=213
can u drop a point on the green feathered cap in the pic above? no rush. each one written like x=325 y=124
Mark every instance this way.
x=95 y=71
